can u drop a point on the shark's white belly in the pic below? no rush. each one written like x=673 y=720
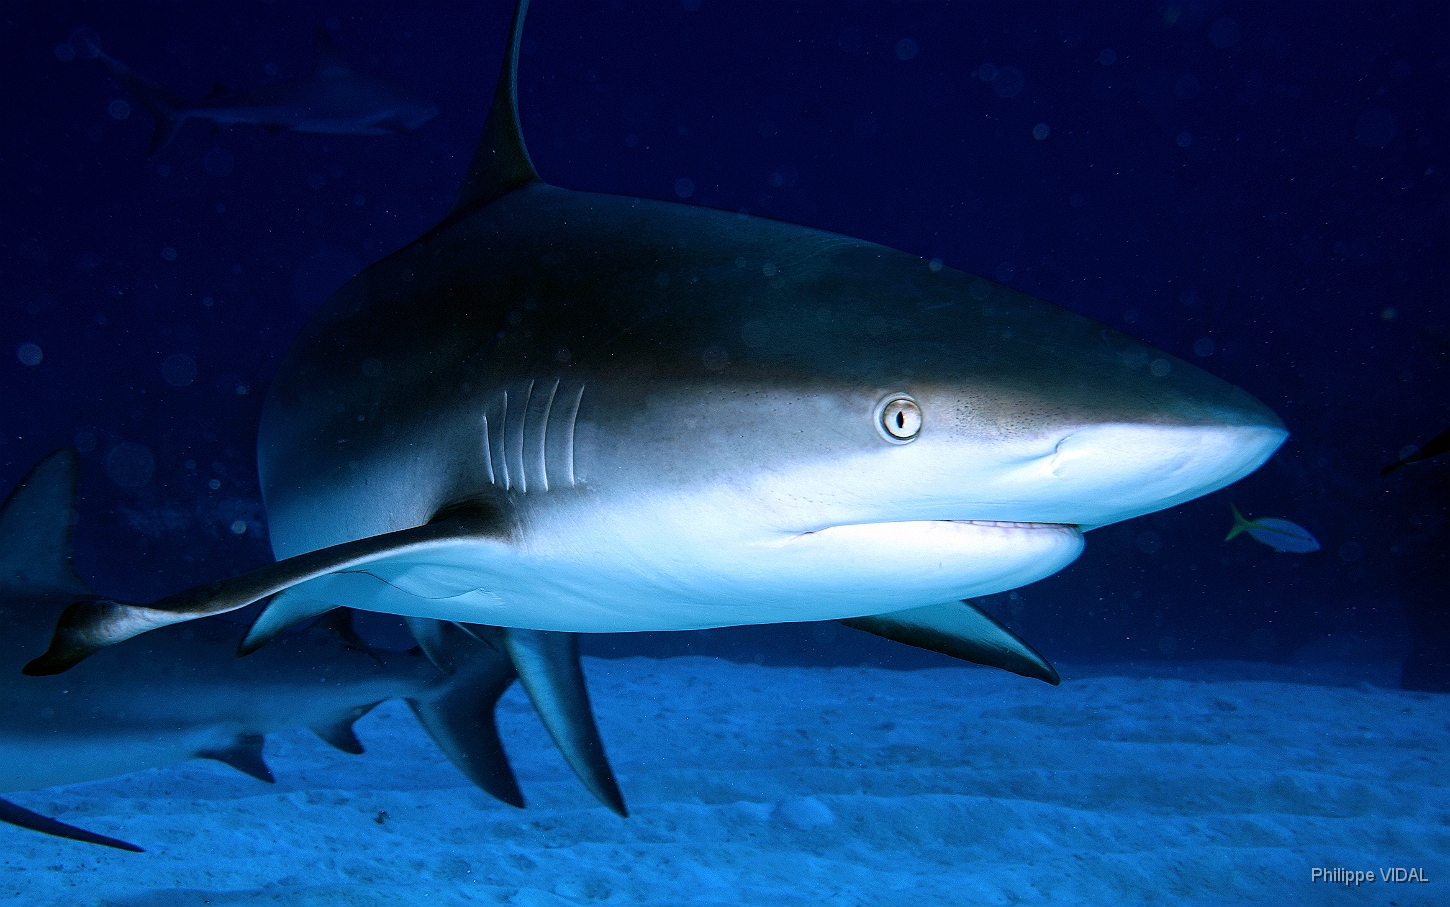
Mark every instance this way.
x=662 y=584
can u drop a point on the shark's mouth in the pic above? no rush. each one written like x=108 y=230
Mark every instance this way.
x=1006 y=525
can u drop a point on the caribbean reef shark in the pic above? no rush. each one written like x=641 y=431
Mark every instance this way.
x=566 y=411
x=334 y=100
x=187 y=696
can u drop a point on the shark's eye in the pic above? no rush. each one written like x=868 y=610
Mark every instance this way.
x=899 y=419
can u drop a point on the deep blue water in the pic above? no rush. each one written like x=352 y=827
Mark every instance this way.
x=1260 y=189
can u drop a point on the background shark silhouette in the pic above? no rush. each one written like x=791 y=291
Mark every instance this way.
x=334 y=100
x=186 y=696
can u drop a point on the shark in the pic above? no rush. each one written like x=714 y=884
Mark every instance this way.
x=565 y=411
x=187 y=696
x=334 y=100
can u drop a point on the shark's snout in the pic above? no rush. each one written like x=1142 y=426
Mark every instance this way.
x=1115 y=472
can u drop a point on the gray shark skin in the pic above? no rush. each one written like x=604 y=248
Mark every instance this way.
x=334 y=100
x=185 y=695
x=566 y=411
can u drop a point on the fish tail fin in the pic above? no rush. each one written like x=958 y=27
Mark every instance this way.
x=166 y=108
x=1240 y=523
x=458 y=713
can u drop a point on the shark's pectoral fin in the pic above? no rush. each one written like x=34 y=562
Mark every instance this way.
x=243 y=754
x=460 y=715
x=339 y=732
x=961 y=630
x=548 y=666
x=89 y=626
x=24 y=818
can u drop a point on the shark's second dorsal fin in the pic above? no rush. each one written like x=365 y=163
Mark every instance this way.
x=501 y=163
x=35 y=528
x=331 y=64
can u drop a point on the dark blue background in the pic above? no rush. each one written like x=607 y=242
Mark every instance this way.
x=1269 y=177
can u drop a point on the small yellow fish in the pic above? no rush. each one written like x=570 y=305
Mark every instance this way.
x=1281 y=535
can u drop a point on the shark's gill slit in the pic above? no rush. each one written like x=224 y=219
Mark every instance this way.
x=503 y=424
x=516 y=439
x=488 y=452
x=539 y=452
x=569 y=429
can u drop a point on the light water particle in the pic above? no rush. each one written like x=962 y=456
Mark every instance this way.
x=1009 y=82
x=130 y=465
x=214 y=484
x=936 y=264
x=168 y=253
x=29 y=354
x=684 y=187
x=1160 y=368
x=907 y=49
x=1041 y=131
x=1185 y=139
x=1224 y=33
x=218 y=161
x=239 y=527
x=118 y=109
x=178 y=369
x=1107 y=56
x=1375 y=128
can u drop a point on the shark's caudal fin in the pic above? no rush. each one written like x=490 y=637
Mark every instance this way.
x=35 y=529
x=501 y=162
x=963 y=631
x=167 y=109
x=24 y=818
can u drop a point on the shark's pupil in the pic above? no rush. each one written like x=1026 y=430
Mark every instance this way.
x=900 y=419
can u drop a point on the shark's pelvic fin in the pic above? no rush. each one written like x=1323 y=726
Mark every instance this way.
x=460 y=716
x=339 y=733
x=35 y=528
x=963 y=631
x=24 y=818
x=501 y=162
x=87 y=627
x=548 y=667
x=286 y=608
x=243 y=754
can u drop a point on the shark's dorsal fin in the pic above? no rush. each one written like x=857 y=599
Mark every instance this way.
x=501 y=162
x=243 y=754
x=331 y=64
x=35 y=528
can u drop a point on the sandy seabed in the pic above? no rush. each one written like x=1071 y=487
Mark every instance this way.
x=752 y=785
